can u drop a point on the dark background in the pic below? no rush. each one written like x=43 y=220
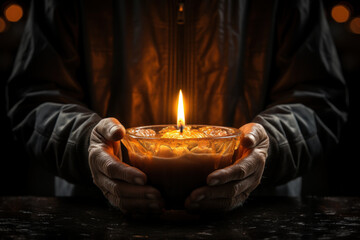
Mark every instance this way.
x=344 y=173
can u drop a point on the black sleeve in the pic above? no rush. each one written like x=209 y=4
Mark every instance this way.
x=45 y=92
x=308 y=96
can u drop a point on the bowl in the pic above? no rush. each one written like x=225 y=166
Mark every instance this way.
x=177 y=162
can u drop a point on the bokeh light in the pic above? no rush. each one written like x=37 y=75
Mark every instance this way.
x=13 y=13
x=340 y=13
x=2 y=25
x=355 y=25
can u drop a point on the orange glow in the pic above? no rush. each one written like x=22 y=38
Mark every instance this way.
x=355 y=25
x=13 y=12
x=181 y=7
x=180 y=113
x=340 y=13
x=2 y=25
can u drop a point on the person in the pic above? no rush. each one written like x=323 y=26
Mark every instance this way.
x=85 y=70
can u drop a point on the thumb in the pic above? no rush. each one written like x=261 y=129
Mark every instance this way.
x=254 y=133
x=110 y=129
x=116 y=132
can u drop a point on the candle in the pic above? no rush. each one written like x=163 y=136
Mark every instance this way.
x=178 y=158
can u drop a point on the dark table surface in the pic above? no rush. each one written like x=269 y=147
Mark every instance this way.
x=259 y=218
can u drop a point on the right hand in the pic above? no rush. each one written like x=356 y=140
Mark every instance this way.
x=123 y=185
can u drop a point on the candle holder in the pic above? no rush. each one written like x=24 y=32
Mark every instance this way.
x=177 y=162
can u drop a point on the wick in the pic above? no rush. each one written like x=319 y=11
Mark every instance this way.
x=181 y=128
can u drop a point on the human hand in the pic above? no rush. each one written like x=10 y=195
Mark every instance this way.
x=229 y=187
x=123 y=185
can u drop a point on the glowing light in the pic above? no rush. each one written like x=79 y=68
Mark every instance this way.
x=181 y=7
x=13 y=13
x=355 y=25
x=340 y=13
x=180 y=113
x=2 y=25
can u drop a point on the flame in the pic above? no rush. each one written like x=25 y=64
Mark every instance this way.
x=180 y=113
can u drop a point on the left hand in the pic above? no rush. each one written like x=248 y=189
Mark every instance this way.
x=124 y=186
x=229 y=187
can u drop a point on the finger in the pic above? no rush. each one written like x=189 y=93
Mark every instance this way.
x=228 y=190
x=106 y=134
x=254 y=134
x=241 y=169
x=131 y=205
x=109 y=165
x=130 y=198
x=110 y=129
x=127 y=190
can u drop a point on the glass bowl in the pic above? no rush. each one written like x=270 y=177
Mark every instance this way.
x=177 y=163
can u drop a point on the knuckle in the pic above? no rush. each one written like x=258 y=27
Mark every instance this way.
x=96 y=136
x=114 y=201
x=117 y=190
x=243 y=196
x=232 y=191
x=126 y=174
x=260 y=130
x=260 y=156
x=104 y=123
x=111 y=169
x=237 y=201
x=97 y=158
x=241 y=171
x=230 y=203
x=94 y=153
x=235 y=190
x=108 y=196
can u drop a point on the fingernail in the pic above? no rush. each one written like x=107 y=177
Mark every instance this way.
x=250 y=141
x=115 y=132
x=251 y=138
x=113 y=129
x=150 y=196
x=214 y=182
x=154 y=206
x=139 y=181
x=199 y=198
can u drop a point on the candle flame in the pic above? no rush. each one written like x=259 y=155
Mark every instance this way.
x=180 y=113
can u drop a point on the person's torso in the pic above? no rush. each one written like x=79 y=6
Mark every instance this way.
x=143 y=52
